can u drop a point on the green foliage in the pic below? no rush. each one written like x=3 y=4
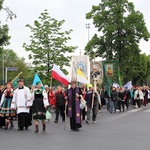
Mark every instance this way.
x=12 y=60
x=4 y=37
x=120 y=29
x=48 y=45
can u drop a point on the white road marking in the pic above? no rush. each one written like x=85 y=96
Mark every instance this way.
x=148 y=110
x=121 y=115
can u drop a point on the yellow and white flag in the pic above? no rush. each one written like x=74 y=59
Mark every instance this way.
x=81 y=77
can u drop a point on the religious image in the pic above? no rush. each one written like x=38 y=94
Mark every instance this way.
x=96 y=72
x=109 y=69
x=81 y=62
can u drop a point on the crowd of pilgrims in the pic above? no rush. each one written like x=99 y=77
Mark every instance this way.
x=80 y=104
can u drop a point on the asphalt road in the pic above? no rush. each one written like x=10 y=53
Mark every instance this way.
x=120 y=131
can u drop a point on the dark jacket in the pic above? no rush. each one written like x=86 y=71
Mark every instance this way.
x=121 y=95
x=114 y=95
x=88 y=99
x=60 y=98
x=127 y=95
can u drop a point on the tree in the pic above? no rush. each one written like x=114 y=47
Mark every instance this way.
x=12 y=60
x=120 y=30
x=4 y=37
x=48 y=45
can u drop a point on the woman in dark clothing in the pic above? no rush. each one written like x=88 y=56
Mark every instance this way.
x=127 y=98
x=114 y=96
x=60 y=104
x=84 y=110
x=121 y=99
x=39 y=106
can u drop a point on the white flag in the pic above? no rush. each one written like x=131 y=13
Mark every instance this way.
x=128 y=85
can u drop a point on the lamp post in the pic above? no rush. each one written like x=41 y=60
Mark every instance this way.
x=88 y=28
x=3 y=69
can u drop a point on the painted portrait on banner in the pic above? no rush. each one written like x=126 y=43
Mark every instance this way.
x=96 y=71
x=109 y=69
x=82 y=62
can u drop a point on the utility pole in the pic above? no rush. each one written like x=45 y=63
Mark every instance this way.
x=88 y=28
x=3 y=69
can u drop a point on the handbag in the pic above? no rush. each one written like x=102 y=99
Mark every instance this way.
x=82 y=103
x=48 y=115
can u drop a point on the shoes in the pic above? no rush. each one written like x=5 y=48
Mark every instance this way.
x=20 y=129
x=87 y=121
x=12 y=126
x=36 y=129
x=26 y=128
x=6 y=126
x=44 y=127
x=76 y=129
x=94 y=121
x=56 y=121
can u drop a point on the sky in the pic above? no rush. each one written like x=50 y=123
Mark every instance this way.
x=72 y=11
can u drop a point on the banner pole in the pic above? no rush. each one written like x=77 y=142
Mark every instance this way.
x=17 y=76
x=51 y=80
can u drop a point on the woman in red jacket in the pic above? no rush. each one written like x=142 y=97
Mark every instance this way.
x=51 y=98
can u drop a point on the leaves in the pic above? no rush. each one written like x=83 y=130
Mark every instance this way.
x=48 y=44
x=120 y=30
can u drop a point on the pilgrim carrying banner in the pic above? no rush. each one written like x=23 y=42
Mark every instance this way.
x=80 y=62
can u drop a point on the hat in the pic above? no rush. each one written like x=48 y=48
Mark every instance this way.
x=90 y=85
x=20 y=80
x=38 y=82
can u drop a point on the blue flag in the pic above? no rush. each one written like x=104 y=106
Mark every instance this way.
x=36 y=79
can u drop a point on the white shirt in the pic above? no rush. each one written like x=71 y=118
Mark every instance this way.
x=21 y=100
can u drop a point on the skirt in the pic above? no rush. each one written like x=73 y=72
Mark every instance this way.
x=38 y=109
x=6 y=111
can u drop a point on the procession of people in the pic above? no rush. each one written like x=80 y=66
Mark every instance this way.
x=76 y=103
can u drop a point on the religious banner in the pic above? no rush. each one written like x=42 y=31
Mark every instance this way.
x=111 y=68
x=80 y=62
x=96 y=71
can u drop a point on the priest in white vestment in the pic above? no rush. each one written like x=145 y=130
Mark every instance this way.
x=21 y=102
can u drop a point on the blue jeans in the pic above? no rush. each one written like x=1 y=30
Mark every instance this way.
x=113 y=105
x=107 y=103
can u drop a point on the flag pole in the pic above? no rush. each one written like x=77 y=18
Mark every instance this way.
x=51 y=82
x=13 y=80
x=17 y=76
x=66 y=103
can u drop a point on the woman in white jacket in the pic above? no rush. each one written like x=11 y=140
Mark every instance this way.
x=138 y=97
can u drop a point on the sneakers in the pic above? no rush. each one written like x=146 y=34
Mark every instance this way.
x=56 y=121
x=87 y=121
x=94 y=122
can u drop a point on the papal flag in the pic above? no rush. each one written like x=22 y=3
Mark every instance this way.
x=83 y=63
x=81 y=77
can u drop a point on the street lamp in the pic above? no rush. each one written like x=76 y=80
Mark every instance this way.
x=88 y=28
x=3 y=69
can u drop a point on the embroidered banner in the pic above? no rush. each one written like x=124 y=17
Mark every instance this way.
x=96 y=70
x=82 y=62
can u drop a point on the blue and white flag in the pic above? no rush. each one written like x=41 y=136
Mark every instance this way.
x=37 y=79
x=128 y=85
x=116 y=85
